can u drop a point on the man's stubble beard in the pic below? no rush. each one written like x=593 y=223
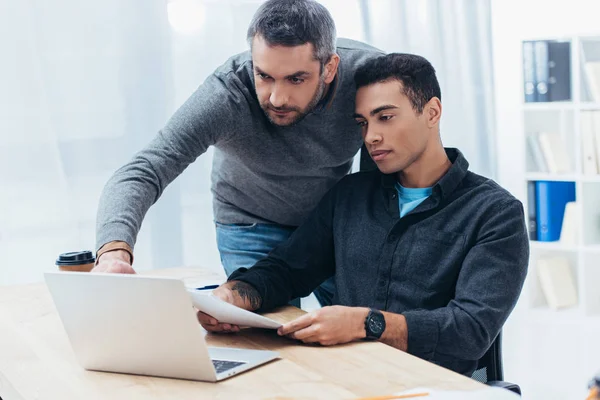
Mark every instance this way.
x=319 y=93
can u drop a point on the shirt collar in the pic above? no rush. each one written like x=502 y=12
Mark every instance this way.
x=448 y=183
x=412 y=193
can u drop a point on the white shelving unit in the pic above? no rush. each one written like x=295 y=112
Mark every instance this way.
x=550 y=354
x=564 y=118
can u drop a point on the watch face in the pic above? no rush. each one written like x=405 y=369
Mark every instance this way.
x=376 y=324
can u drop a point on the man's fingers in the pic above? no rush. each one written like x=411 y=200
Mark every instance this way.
x=231 y=329
x=319 y=339
x=312 y=334
x=297 y=324
x=212 y=325
x=114 y=266
x=127 y=269
x=311 y=339
x=220 y=328
x=206 y=319
x=305 y=333
x=225 y=328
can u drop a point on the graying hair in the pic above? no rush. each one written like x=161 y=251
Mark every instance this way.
x=294 y=23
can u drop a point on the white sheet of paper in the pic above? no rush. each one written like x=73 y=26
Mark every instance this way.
x=228 y=313
x=490 y=393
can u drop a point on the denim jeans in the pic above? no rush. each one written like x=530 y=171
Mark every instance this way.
x=242 y=245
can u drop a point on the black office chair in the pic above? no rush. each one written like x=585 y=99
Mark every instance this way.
x=489 y=368
x=366 y=162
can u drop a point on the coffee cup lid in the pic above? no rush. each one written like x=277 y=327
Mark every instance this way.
x=76 y=258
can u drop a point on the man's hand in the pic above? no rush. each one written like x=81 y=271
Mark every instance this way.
x=328 y=326
x=239 y=294
x=116 y=262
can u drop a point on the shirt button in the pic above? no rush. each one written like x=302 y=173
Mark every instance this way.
x=381 y=283
x=393 y=195
x=392 y=238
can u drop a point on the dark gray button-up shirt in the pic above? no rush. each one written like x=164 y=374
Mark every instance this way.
x=454 y=266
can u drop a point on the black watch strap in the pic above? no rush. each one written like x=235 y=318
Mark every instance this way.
x=374 y=324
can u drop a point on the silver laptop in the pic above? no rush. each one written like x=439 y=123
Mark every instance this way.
x=141 y=325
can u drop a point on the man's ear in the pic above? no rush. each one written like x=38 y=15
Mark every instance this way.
x=433 y=111
x=330 y=69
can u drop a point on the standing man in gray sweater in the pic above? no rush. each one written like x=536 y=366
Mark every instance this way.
x=280 y=119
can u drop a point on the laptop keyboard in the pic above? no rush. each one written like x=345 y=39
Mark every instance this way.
x=222 y=365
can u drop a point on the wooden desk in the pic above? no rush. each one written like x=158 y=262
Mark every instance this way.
x=36 y=362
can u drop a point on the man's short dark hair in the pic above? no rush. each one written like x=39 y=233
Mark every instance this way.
x=294 y=23
x=416 y=74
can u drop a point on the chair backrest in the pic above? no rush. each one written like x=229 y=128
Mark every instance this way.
x=366 y=162
x=489 y=367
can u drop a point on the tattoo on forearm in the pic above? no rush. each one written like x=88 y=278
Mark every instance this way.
x=248 y=292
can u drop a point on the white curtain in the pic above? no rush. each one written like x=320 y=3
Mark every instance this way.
x=455 y=36
x=83 y=85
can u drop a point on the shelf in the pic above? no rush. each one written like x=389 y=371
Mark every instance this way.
x=550 y=106
x=553 y=246
x=562 y=106
x=588 y=106
x=591 y=248
x=544 y=176
x=557 y=246
x=590 y=178
x=568 y=316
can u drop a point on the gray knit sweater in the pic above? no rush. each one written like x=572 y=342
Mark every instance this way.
x=261 y=172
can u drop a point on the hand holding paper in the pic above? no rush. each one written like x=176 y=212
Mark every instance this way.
x=222 y=316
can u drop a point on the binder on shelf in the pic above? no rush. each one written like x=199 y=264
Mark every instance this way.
x=551 y=198
x=536 y=153
x=541 y=70
x=531 y=212
x=546 y=71
x=529 y=72
x=555 y=152
x=568 y=232
x=588 y=144
x=556 y=281
x=559 y=71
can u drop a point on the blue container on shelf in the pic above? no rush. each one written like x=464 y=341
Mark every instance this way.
x=551 y=199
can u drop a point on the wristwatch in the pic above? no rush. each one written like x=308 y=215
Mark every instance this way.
x=374 y=324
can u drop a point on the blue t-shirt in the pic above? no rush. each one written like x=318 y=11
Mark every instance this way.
x=410 y=198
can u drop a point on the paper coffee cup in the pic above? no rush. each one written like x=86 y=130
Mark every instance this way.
x=80 y=261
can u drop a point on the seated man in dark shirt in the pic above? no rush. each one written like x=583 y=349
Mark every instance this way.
x=428 y=257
